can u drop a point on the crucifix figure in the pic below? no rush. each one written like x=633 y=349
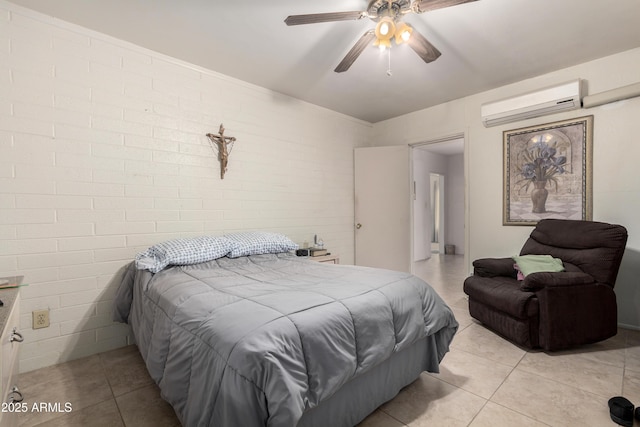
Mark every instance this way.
x=224 y=144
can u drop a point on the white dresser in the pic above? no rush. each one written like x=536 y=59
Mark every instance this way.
x=10 y=342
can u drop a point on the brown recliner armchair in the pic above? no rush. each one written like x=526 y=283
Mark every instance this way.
x=553 y=310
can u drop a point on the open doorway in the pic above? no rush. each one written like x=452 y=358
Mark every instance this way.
x=438 y=200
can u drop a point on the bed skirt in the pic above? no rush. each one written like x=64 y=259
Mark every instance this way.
x=361 y=396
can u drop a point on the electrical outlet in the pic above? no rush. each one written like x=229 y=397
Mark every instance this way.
x=40 y=319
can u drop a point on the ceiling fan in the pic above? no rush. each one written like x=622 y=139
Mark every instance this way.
x=387 y=14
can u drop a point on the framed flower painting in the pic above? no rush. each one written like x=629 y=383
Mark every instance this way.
x=548 y=172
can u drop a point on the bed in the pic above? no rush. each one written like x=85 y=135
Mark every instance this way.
x=271 y=339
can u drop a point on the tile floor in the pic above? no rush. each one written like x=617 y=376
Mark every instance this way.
x=484 y=381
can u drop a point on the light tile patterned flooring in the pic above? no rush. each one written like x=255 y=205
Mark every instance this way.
x=484 y=381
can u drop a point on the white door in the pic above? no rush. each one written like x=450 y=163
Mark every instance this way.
x=382 y=203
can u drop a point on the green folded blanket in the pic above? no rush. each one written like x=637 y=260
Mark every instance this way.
x=528 y=264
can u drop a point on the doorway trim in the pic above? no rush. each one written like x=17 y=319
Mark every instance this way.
x=443 y=139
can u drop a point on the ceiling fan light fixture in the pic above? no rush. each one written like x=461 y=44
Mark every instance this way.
x=403 y=33
x=383 y=44
x=387 y=14
x=385 y=29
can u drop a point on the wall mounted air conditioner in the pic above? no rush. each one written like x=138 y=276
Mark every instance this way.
x=563 y=97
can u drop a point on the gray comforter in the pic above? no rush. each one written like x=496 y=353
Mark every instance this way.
x=258 y=340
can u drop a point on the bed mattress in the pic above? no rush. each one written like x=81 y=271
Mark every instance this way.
x=260 y=340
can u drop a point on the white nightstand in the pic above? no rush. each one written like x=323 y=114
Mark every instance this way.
x=332 y=259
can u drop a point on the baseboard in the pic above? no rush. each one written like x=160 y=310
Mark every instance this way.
x=632 y=327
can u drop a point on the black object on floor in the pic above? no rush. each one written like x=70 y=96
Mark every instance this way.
x=621 y=411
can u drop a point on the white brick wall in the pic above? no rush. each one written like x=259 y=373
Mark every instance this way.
x=103 y=153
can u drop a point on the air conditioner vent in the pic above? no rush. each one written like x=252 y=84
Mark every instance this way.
x=564 y=97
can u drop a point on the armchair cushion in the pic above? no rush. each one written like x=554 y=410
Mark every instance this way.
x=494 y=267
x=503 y=294
x=571 y=268
x=535 y=263
x=536 y=281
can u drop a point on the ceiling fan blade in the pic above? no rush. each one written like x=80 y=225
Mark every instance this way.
x=422 y=47
x=315 y=18
x=427 y=5
x=364 y=41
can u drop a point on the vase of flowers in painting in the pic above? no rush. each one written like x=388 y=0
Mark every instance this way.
x=539 y=165
x=539 y=196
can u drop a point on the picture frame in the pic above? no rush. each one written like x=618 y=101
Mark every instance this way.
x=548 y=172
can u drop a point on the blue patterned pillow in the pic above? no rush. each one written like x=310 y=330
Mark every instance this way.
x=184 y=251
x=259 y=242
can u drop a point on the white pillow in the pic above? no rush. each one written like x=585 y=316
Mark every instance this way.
x=184 y=251
x=259 y=242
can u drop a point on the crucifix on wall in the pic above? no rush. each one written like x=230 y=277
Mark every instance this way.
x=223 y=144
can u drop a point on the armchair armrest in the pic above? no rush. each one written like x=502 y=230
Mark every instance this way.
x=536 y=281
x=493 y=267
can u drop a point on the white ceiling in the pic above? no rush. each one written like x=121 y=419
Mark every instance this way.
x=484 y=44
